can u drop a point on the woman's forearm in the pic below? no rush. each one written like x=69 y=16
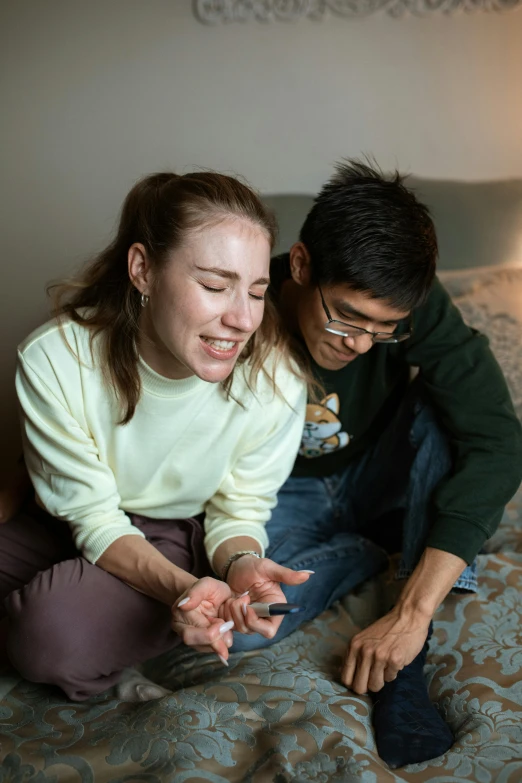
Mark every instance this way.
x=136 y=562
x=230 y=547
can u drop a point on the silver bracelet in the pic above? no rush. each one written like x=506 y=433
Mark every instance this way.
x=233 y=558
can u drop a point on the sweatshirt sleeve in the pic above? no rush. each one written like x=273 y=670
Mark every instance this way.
x=244 y=501
x=470 y=395
x=62 y=458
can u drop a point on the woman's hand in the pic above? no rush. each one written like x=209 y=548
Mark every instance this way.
x=259 y=578
x=197 y=619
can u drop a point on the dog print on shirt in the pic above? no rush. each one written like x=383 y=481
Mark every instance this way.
x=322 y=433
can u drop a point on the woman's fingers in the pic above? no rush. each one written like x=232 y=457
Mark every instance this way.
x=238 y=610
x=207 y=589
x=221 y=650
x=235 y=609
x=246 y=620
x=210 y=636
x=227 y=638
x=287 y=576
x=267 y=627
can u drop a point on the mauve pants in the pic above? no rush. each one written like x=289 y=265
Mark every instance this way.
x=71 y=623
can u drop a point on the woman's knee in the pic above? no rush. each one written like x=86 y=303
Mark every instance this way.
x=39 y=643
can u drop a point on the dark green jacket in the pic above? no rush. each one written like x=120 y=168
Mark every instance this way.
x=468 y=391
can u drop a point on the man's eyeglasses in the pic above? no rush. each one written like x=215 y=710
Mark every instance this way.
x=349 y=330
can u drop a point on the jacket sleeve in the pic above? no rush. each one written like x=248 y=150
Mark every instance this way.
x=469 y=393
x=264 y=460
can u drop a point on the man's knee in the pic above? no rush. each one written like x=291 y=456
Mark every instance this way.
x=425 y=426
x=433 y=454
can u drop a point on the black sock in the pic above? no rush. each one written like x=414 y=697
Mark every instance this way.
x=408 y=728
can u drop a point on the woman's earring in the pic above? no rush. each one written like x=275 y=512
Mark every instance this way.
x=144 y=300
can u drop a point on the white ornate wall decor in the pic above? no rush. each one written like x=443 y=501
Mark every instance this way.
x=215 y=11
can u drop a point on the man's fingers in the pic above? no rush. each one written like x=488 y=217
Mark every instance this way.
x=390 y=673
x=376 y=674
x=358 y=666
x=349 y=666
x=362 y=674
x=383 y=670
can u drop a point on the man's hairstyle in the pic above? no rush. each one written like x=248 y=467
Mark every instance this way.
x=369 y=231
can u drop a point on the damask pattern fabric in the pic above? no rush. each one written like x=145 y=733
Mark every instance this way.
x=491 y=301
x=280 y=715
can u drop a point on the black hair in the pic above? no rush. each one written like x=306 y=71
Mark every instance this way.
x=371 y=232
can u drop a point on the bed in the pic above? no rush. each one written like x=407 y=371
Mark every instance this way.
x=280 y=715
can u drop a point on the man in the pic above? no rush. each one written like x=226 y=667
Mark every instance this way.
x=433 y=461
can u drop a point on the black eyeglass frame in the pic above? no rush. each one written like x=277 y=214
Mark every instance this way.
x=389 y=338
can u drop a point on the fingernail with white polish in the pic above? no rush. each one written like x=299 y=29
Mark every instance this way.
x=226 y=626
x=305 y=571
x=244 y=608
x=185 y=601
x=243 y=594
x=223 y=660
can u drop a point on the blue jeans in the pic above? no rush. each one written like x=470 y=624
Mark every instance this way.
x=327 y=524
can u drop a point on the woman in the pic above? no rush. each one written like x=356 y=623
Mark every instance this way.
x=147 y=402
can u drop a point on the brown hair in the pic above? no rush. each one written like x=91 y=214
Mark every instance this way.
x=158 y=212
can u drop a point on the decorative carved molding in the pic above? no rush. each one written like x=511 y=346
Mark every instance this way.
x=216 y=11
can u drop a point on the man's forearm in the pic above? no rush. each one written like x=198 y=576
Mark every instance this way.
x=430 y=582
x=136 y=562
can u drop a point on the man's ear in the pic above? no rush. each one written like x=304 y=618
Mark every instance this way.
x=300 y=264
x=140 y=271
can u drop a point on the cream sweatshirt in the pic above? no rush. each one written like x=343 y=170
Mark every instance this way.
x=188 y=449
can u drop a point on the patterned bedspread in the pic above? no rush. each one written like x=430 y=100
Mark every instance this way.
x=280 y=715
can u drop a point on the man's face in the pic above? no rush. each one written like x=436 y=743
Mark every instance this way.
x=331 y=351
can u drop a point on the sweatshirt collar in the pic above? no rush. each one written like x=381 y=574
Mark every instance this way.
x=157 y=384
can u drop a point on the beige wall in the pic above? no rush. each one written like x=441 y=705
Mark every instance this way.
x=95 y=93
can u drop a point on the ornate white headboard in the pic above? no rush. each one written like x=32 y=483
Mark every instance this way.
x=215 y=11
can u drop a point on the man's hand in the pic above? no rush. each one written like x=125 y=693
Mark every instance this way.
x=260 y=578
x=196 y=618
x=377 y=654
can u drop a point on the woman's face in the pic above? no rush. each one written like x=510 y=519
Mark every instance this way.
x=205 y=302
